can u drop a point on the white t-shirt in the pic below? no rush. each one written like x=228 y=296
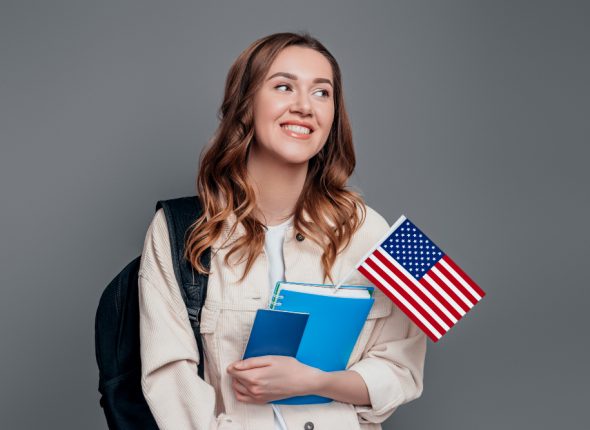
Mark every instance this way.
x=273 y=246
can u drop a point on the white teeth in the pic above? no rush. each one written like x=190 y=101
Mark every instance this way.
x=297 y=128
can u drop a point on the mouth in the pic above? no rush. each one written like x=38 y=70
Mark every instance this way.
x=296 y=131
x=297 y=128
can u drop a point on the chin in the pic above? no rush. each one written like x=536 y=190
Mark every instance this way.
x=294 y=161
x=295 y=158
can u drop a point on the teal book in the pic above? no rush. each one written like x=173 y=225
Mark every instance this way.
x=333 y=327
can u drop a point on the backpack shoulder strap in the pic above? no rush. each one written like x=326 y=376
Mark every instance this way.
x=181 y=213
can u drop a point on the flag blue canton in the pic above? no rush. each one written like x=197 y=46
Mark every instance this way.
x=412 y=249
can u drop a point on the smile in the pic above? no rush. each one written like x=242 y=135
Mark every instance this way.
x=296 y=131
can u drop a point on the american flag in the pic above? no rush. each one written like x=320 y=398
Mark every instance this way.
x=420 y=279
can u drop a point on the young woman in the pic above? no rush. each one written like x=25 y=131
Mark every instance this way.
x=276 y=206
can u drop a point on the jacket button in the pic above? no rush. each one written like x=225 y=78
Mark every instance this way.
x=308 y=426
x=300 y=238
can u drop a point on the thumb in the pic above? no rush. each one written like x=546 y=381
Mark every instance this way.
x=250 y=363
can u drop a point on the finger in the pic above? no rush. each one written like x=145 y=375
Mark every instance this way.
x=232 y=368
x=243 y=394
x=241 y=375
x=241 y=388
x=233 y=365
x=248 y=377
x=250 y=363
x=236 y=369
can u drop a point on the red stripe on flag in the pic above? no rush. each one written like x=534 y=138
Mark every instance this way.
x=441 y=299
x=414 y=288
x=392 y=282
x=408 y=313
x=464 y=275
x=458 y=285
x=448 y=290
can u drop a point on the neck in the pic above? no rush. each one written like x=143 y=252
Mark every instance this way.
x=277 y=184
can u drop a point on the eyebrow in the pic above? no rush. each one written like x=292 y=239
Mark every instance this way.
x=294 y=78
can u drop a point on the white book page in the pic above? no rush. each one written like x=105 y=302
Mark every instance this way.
x=358 y=293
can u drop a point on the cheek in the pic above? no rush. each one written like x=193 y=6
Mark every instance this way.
x=270 y=108
x=263 y=121
x=327 y=115
x=327 y=121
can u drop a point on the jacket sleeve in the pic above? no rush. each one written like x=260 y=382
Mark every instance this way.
x=392 y=366
x=178 y=398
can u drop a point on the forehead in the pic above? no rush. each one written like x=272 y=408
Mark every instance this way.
x=305 y=63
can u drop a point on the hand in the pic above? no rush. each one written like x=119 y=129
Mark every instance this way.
x=263 y=379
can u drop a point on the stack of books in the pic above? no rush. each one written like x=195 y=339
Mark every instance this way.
x=314 y=323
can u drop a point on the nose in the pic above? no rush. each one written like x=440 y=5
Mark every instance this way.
x=302 y=105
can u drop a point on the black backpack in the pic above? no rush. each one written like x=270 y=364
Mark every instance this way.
x=117 y=323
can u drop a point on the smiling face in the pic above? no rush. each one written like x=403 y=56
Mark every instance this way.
x=294 y=107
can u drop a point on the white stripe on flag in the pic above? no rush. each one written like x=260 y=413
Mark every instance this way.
x=460 y=279
x=421 y=287
x=443 y=293
x=451 y=286
x=407 y=289
x=402 y=299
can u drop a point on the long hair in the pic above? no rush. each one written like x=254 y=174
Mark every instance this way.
x=334 y=212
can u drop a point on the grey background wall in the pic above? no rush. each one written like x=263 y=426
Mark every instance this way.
x=469 y=117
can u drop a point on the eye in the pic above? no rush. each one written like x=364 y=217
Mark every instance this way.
x=282 y=85
x=326 y=93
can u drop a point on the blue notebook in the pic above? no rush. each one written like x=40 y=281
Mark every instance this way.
x=334 y=324
x=276 y=332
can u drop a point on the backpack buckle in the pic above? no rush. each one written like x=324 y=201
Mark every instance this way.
x=193 y=316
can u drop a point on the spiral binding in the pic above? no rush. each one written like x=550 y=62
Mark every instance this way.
x=277 y=303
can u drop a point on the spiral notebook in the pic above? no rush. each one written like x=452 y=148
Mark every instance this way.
x=333 y=327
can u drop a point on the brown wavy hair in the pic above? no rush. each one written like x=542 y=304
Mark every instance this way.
x=335 y=211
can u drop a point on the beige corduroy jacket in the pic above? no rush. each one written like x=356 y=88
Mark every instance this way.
x=389 y=354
